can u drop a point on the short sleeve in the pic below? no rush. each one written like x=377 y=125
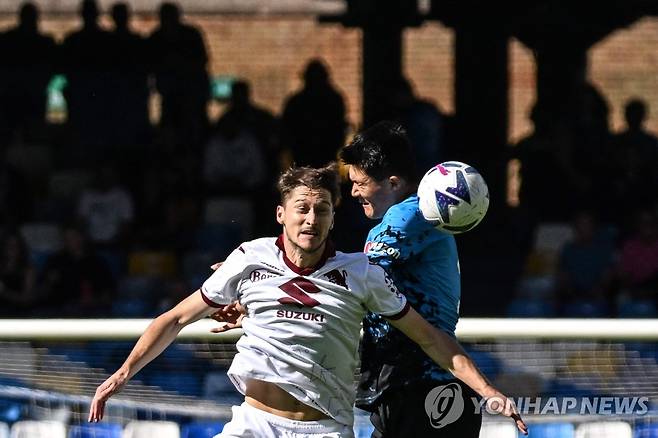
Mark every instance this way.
x=222 y=286
x=401 y=234
x=383 y=297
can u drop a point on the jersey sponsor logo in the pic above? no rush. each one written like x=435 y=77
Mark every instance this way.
x=337 y=277
x=298 y=289
x=381 y=247
x=261 y=274
x=305 y=316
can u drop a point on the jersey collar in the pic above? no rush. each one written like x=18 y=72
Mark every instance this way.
x=329 y=251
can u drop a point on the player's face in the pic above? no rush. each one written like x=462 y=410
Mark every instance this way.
x=307 y=217
x=374 y=196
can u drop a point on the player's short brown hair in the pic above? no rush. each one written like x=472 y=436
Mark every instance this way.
x=314 y=178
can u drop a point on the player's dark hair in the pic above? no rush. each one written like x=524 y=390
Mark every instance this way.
x=314 y=178
x=381 y=151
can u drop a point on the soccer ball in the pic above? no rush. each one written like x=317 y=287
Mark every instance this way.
x=453 y=197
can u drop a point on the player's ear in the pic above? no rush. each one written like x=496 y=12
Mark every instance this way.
x=279 y=214
x=394 y=182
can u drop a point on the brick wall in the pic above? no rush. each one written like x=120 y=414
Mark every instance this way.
x=271 y=51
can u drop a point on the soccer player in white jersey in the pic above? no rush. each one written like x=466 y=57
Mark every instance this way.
x=304 y=304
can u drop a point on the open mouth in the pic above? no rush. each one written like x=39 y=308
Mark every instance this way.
x=309 y=233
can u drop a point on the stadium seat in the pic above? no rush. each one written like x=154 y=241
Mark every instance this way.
x=38 y=429
x=150 y=429
x=551 y=430
x=604 y=429
x=637 y=309
x=4 y=430
x=152 y=263
x=585 y=309
x=647 y=430
x=498 y=430
x=10 y=411
x=96 y=430
x=526 y=308
x=186 y=383
x=200 y=429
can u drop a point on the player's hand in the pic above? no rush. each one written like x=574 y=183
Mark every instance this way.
x=505 y=406
x=105 y=390
x=231 y=314
x=216 y=266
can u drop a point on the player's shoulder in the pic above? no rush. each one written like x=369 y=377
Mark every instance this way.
x=351 y=258
x=260 y=246
x=406 y=215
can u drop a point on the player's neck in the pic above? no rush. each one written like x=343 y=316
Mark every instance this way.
x=300 y=257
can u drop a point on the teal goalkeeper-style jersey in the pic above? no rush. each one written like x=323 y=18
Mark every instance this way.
x=424 y=265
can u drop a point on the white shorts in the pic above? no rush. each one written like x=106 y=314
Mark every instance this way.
x=250 y=422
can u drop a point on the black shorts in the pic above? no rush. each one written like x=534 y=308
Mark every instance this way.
x=412 y=411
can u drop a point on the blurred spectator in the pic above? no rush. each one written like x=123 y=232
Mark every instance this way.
x=423 y=122
x=17 y=276
x=28 y=64
x=75 y=280
x=259 y=122
x=87 y=64
x=313 y=122
x=241 y=155
x=179 y=61
x=637 y=154
x=639 y=258
x=106 y=210
x=128 y=103
x=586 y=264
x=548 y=178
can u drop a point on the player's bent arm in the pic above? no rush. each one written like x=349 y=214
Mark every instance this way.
x=447 y=352
x=157 y=336
x=163 y=331
x=444 y=350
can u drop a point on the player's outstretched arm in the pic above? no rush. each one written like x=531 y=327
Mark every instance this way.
x=158 y=335
x=447 y=352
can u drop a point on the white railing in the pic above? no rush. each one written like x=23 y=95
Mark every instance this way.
x=468 y=329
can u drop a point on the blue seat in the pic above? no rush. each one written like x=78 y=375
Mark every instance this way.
x=551 y=430
x=182 y=382
x=637 y=309
x=96 y=430
x=201 y=429
x=586 y=309
x=10 y=411
x=646 y=430
x=526 y=308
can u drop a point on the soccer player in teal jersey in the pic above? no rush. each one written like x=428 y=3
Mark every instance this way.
x=396 y=378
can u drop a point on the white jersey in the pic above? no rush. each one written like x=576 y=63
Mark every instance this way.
x=302 y=326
